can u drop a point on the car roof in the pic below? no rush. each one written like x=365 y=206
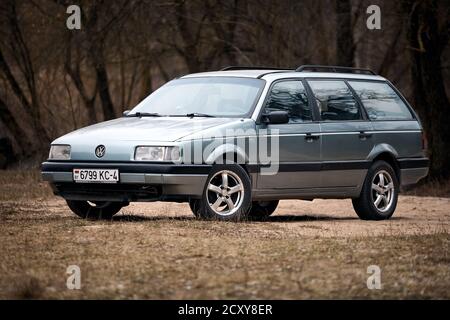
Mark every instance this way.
x=271 y=74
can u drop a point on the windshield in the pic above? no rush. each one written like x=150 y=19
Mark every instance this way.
x=217 y=97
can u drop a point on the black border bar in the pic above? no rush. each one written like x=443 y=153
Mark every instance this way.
x=172 y=309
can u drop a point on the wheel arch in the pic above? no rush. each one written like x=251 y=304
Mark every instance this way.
x=229 y=152
x=387 y=153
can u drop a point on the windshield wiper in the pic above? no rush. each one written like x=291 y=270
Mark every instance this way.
x=198 y=114
x=144 y=114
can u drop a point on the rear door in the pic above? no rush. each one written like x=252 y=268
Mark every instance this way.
x=346 y=133
x=298 y=140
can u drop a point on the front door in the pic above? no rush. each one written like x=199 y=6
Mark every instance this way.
x=299 y=140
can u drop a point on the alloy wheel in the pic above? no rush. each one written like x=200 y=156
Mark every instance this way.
x=382 y=191
x=225 y=193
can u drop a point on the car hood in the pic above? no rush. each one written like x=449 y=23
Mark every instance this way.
x=142 y=129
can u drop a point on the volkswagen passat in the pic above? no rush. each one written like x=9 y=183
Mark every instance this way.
x=233 y=143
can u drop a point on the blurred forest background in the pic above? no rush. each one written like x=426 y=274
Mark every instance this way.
x=54 y=80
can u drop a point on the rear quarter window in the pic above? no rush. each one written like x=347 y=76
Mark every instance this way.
x=381 y=101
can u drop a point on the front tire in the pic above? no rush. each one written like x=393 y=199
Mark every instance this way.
x=227 y=194
x=99 y=210
x=379 y=194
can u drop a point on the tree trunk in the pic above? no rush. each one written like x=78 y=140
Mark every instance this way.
x=103 y=90
x=8 y=119
x=344 y=33
x=95 y=39
x=146 y=84
x=73 y=69
x=101 y=75
x=31 y=108
x=430 y=99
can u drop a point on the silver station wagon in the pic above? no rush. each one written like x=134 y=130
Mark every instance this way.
x=232 y=143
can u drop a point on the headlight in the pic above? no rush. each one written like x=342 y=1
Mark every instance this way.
x=59 y=152
x=157 y=154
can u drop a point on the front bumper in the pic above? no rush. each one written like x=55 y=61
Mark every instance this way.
x=137 y=181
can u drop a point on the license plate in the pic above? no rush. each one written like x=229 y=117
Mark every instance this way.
x=96 y=175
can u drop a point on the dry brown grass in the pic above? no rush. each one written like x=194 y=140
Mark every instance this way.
x=433 y=188
x=22 y=185
x=158 y=251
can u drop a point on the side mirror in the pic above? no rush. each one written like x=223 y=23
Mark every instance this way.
x=125 y=113
x=276 y=117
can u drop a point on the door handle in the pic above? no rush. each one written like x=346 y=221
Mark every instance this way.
x=311 y=137
x=363 y=135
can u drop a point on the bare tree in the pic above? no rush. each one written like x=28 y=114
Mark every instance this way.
x=92 y=41
x=126 y=49
x=427 y=40
x=21 y=78
x=72 y=66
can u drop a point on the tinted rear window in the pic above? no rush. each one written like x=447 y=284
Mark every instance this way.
x=381 y=101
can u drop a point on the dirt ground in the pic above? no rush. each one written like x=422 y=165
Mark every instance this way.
x=307 y=250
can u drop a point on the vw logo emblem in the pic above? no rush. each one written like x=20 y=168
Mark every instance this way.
x=100 y=151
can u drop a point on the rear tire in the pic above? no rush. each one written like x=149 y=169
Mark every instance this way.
x=94 y=210
x=379 y=194
x=227 y=194
x=261 y=210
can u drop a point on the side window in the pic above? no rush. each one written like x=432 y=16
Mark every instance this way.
x=290 y=96
x=381 y=101
x=335 y=100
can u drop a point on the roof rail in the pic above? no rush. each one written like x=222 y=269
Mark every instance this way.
x=231 y=68
x=318 y=68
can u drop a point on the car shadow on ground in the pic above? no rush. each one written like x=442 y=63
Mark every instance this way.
x=139 y=218
x=322 y=217
x=301 y=218
x=277 y=218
